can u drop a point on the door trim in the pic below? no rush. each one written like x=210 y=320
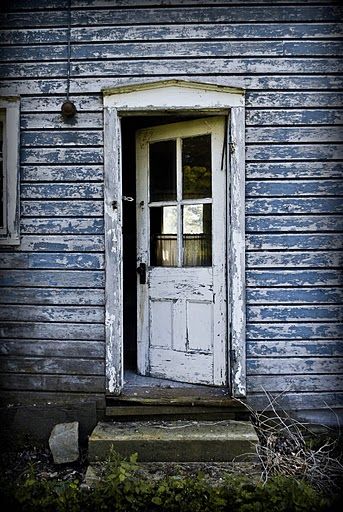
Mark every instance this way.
x=161 y=97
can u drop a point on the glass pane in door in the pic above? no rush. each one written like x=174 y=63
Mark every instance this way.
x=197 y=235
x=162 y=156
x=163 y=236
x=196 y=167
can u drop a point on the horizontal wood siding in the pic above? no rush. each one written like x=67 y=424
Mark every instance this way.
x=287 y=57
x=52 y=300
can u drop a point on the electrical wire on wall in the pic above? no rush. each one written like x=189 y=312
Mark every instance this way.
x=68 y=107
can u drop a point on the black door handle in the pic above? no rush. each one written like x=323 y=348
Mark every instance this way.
x=141 y=270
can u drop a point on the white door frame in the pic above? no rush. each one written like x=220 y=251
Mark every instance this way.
x=176 y=96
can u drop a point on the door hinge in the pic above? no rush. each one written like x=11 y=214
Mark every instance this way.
x=233 y=356
x=232 y=147
x=141 y=271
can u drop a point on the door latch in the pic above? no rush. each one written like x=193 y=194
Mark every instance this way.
x=141 y=271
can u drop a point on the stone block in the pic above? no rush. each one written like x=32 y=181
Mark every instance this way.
x=64 y=442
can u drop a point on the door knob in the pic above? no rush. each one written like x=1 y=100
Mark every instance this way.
x=141 y=270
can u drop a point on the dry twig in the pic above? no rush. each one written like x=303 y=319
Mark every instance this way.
x=283 y=448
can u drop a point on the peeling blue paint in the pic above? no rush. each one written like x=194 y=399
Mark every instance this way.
x=297 y=188
x=286 y=57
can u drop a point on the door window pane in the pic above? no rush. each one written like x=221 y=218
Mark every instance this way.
x=197 y=235
x=162 y=157
x=196 y=167
x=163 y=236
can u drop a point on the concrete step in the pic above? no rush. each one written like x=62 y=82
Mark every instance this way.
x=174 y=441
x=138 y=412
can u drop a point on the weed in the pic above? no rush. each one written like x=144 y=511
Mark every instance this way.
x=124 y=487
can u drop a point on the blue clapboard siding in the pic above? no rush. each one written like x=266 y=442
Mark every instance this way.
x=277 y=188
x=60 y=155
x=174 y=32
x=295 y=277
x=59 y=385
x=298 y=313
x=293 y=204
x=56 y=208
x=272 y=117
x=300 y=223
x=62 y=260
x=50 y=295
x=303 y=295
x=52 y=302
x=169 y=67
x=61 y=191
x=30 y=348
x=52 y=313
x=173 y=49
x=57 y=243
x=195 y=14
x=48 y=85
x=53 y=365
x=46 y=331
x=295 y=259
x=61 y=226
x=323 y=241
x=65 y=138
x=297 y=348
x=286 y=56
x=59 y=278
x=53 y=119
x=68 y=173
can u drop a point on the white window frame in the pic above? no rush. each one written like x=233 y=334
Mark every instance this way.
x=10 y=116
x=174 y=96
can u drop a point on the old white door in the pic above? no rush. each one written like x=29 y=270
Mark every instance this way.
x=181 y=252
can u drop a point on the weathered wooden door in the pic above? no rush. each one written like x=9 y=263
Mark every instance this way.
x=181 y=252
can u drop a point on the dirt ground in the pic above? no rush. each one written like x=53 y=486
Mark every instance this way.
x=14 y=465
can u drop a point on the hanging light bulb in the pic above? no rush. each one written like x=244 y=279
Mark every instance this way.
x=68 y=109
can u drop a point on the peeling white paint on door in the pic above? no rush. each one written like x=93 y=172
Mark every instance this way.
x=182 y=328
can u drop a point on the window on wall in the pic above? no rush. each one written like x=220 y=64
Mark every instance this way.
x=9 y=171
x=2 y=177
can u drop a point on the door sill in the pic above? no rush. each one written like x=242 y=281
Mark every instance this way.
x=150 y=390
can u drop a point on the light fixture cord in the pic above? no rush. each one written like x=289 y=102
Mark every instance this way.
x=69 y=48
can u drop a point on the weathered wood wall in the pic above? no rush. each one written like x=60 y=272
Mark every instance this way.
x=286 y=55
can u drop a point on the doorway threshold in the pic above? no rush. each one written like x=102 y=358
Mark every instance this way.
x=151 y=397
x=151 y=390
